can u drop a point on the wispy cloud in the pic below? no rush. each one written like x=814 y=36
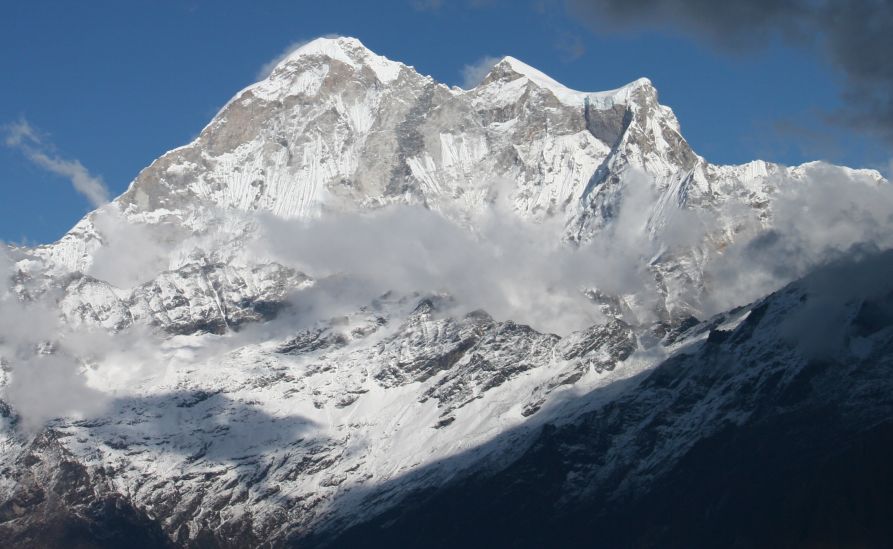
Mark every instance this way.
x=24 y=138
x=268 y=67
x=473 y=74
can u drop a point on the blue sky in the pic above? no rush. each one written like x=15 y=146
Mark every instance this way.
x=116 y=84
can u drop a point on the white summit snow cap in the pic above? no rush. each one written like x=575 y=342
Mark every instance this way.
x=599 y=100
x=284 y=80
x=348 y=50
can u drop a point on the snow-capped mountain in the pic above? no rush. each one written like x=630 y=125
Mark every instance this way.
x=337 y=128
x=237 y=386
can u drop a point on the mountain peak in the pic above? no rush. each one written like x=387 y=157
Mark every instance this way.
x=634 y=92
x=330 y=46
x=516 y=66
x=346 y=49
x=509 y=69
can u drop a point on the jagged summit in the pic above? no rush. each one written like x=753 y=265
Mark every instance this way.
x=336 y=127
x=343 y=49
x=510 y=69
x=327 y=44
x=352 y=52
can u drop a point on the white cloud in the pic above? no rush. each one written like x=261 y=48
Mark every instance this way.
x=48 y=386
x=22 y=136
x=510 y=267
x=817 y=220
x=45 y=381
x=6 y=266
x=132 y=253
x=510 y=272
x=473 y=74
x=518 y=270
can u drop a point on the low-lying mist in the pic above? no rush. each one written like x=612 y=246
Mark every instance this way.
x=492 y=259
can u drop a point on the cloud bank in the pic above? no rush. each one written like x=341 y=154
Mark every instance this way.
x=830 y=214
x=508 y=269
x=853 y=36
x=45 y=379
x=132 y=253
x=519 y=270
x=508 y=266
x=511 y=267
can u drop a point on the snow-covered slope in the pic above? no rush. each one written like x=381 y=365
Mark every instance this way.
x=770 y=427
x=237 y=396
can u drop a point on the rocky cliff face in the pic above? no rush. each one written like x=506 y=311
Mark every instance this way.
x=765 y=430
x=228 y=415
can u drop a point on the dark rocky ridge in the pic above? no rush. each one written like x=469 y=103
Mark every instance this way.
x=743 y=443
